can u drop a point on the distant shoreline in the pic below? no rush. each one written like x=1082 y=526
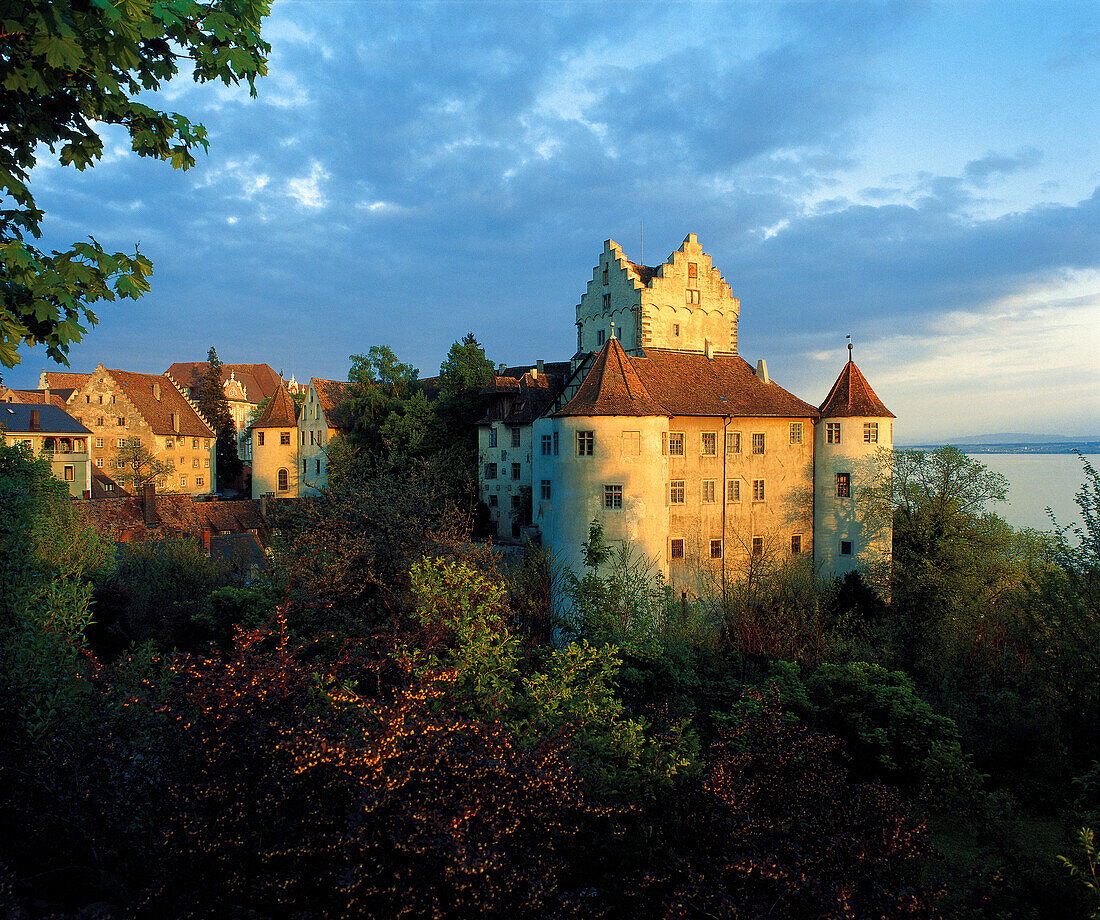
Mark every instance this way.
x=1053 y=447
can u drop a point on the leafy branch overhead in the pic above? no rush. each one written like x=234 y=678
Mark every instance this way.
x=68 y=68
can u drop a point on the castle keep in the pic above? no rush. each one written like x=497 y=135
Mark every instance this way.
x=674 y=442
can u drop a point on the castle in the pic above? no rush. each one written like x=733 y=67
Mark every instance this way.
x=660 y=431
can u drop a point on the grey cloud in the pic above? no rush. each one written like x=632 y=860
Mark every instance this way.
x=994 y=165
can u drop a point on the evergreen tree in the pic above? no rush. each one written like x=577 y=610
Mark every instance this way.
x=213 y=404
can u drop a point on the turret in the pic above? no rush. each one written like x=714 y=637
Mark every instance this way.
x=851 y=443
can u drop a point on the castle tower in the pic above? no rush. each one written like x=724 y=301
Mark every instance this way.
x=850 y=531
x=275 y=447
x=683 y=304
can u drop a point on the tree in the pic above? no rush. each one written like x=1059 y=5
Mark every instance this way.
x=466 y=368
x=214 y=405
x=137 y=465
x=70 y=66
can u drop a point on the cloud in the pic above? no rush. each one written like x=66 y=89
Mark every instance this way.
x=306 y=190
x=994 y=165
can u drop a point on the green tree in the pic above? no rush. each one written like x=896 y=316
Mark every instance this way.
x=137 y=465
x=213 y=404
x=466 y=369
x=69 y=67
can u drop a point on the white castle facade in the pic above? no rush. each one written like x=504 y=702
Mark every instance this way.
x=659 y=430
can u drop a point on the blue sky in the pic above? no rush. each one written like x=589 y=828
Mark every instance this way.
x=924 y=177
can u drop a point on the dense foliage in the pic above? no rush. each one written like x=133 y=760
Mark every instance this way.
x=396 y=722
x=214 y=405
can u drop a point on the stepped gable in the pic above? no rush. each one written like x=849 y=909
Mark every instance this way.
x=852 y=396
x=690 y=383
x=612 y=387
x=141 y=391
x=259 y=380
x=281 y=411
x=331 y=393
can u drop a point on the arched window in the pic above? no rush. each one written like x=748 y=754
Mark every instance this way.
x=283 y=481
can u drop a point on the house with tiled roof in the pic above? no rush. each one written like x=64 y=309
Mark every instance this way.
x=320 y=420
x=246 y=387
x=275 y=440
x=118 y=406
x=663 y=433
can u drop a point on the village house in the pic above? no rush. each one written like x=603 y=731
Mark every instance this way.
x=319 y=421
x=48 y=431
x=119 y=405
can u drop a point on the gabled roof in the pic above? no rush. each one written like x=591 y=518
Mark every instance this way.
x=141 y=390
x=330 y=394
x=16 y=419
x=62 y=380
x=612 y=387
x=34 y=397
x=852 y=396
x=259 y=380
x=679 y=383
x=281 y=411
x=103 y=486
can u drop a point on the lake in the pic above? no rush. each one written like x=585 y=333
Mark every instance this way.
x=1036 y=481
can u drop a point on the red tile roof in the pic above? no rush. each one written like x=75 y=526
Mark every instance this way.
x=330 y=394
x=679 y=383
x=259 y=380
x=140 y=390
x=57 y=380
x=281 y=411
x=122 y=519
x=32 y=397
x=852 y=396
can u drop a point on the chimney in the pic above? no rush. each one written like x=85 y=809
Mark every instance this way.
x=35 y=423
x=156 y=391
x=149 y=504
x=706 y=348
x=501 y=370
x=46 y=395
x=538 y=367
x=206 y=540
x=176 y=422
x=762 y=370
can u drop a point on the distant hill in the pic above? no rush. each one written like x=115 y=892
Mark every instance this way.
x=1018 y=438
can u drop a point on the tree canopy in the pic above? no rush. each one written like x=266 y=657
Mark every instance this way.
x=68 y=68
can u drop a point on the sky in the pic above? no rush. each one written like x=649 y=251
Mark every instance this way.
x=924 y=177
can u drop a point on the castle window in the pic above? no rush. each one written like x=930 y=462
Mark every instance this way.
x=843 y=485
x=284 y=480
x=317 y=462
x=733 y=490
x=70 y=474
x=870 y=432
x=758 y=490
x=601 y=337
x=515 y=471
x=715 y=549
x=99 y=442
x=305 y=466
x=710 y=444
x=168 y=444
x=555 y=443
x=99 y=421
x=677 y=549
x=758 y=443
x=693 y=269
x=733 y=442
x=260 y=438
x=692 y=295
x=796 y=544
x=183 y=478
x=516 y=437
x=195 y=442
x=676 y=329
x=605 y=275
x=613 y=496
x=586 y=441
x=492 y=437
x=121 y=422
x=607 y=301
x=676 y=492
x=845 y=547
x=796 y=432
x=676 y=443
x=490 y=471
x=198 y=480
x=284 y=438
x=547 y=442
x=544 y=490
x=632 y=443
x=708 y=491
x=758 y=546
x=206 y=443
x=832 y=432
x=195 y=463
x=311 y=437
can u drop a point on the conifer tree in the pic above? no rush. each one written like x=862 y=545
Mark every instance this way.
x=214 y=405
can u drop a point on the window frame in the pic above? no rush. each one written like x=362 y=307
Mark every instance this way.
x=284 y=439
x=758 y=546
x=715 y=549
x=492 y=436
x=733 y=438
x=870 y=432
x=707 y=487
x=796 y=432
x=517 y=436
x=832 y=432
x=675 y=437
x=282 y=480
x=546 y=442
x=796 y=544
x=676 y=548
x=758 y=491
x=733 y=491
x=763 y=442
x=713 y=435
x=544 y=490
x=517 y=471
x=677 y=487
x=848 y=544
x=490 y=471
x=586 y=443
x=843 y=485
x=612 y=496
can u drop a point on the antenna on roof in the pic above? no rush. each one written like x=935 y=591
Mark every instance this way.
x=641 y=245
x=849 y=338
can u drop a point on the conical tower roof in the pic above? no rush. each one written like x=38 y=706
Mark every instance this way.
x=852 y=397
x=612 y=387
x=281 y=411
